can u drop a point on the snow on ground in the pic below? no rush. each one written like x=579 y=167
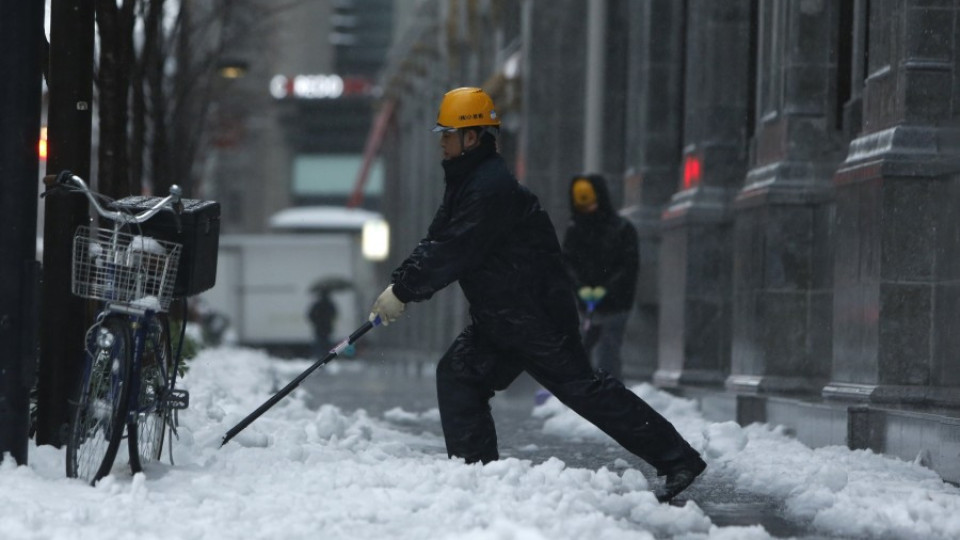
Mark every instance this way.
x=297 y=473
x=844 y=492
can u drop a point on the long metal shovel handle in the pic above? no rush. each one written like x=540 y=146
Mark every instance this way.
x=339 y=348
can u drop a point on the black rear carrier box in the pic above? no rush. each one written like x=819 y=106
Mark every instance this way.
x=199 y=235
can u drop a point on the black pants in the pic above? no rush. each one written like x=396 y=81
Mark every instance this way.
x=478 y=363
x=603 y=341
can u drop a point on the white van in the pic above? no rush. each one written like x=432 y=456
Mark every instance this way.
x=267 y=282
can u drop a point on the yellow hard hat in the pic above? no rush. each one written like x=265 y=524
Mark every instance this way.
x=584 y=195
x=466 y=107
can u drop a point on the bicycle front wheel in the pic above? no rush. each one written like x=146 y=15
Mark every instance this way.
x=149 y=418
x=101 y=409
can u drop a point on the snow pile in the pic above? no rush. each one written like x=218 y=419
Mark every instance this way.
x=300 y=473
x=297 y=473
x=146 y=244
x=844 y=492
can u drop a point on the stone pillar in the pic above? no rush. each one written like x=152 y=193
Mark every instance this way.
x=696 y=257
x=897 y=269
x=654 y=107
x=782 y=277
x=554 y=53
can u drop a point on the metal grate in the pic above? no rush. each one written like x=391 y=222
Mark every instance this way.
x=123 y=268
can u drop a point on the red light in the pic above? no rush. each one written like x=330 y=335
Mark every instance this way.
x=42 y=147
x=691 y=172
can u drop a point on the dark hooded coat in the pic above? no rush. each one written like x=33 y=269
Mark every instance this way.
x=492 y=236
x=600 y=249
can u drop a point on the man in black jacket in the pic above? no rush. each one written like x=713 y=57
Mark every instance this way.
x=491 y=235
x=600 y=250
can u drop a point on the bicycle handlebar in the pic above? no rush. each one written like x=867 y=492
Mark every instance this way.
x=120 y=217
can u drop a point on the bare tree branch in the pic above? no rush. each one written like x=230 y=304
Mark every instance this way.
x=155 y=102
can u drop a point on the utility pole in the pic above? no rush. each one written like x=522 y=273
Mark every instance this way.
x=21 y=91
x=596 y=76
x=63 y=315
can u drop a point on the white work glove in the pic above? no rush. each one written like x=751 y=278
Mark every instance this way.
x=388 y=307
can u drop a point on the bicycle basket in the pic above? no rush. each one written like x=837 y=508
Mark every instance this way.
x=123 y=268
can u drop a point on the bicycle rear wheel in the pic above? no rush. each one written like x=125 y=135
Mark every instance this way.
x=149 y=418
x=100 y=416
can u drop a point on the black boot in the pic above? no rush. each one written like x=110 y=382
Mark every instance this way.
x=680 y=478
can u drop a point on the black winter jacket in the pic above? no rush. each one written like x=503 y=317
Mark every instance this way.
x=492 y=236
x=601 y=249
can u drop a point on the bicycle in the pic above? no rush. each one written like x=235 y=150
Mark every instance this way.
x=128 y=382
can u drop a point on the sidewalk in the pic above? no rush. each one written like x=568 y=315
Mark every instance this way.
x=380 y=386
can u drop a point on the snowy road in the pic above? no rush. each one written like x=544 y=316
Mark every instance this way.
x=309 y=469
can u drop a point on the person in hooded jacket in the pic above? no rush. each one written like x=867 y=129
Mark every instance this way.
x=600 y=250
x=491 y=235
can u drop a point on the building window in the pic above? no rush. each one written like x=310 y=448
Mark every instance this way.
x=330 y=178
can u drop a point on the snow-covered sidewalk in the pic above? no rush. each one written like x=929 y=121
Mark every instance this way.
x=301 y=473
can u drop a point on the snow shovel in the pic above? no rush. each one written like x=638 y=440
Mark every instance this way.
x=339 y=348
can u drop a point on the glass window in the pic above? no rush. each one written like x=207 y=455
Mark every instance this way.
x=333 y=175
